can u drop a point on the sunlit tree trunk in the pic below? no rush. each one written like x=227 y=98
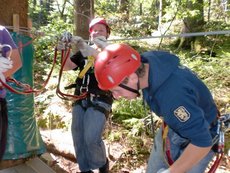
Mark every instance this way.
x=83 y=14
x=193 y=23
x=61 y=8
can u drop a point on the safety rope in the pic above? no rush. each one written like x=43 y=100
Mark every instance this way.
x=26 y=88
x=220 y=138
x=58 y=90
x=225 y=32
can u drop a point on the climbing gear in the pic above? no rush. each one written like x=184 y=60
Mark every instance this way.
x=87 y=67
x=166 y=144
x=223 y=125
x=99 y=21
x=58 y=90
x=67 y=38
x=114 y=64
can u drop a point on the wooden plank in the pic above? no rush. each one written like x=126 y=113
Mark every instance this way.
x=16 y=23
x=30 y=25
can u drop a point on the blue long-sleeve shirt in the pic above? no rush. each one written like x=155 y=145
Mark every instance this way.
x=180 y=97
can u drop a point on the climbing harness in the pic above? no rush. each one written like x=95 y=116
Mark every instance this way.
x=223 y=125
x=66 y=40
x=87 y=67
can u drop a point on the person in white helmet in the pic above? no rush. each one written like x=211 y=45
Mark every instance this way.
x=174 y=93
x=89 y=114
x=10 y=62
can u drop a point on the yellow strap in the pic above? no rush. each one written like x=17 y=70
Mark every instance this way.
x=88 y=65
x=165 y=133
x=164 y=136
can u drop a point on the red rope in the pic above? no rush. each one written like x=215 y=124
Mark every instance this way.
x=26 y=88
x=58 y=91
x=216 y=163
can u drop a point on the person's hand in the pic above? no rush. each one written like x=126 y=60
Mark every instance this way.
x=61 y=46
x=79 y=42
x=5 y=64
x=163 y=170
x=84 y=48
x=100 y=42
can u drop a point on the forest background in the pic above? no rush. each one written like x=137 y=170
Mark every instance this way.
x=139 y=23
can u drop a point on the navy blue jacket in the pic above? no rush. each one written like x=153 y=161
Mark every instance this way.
x=180 y=97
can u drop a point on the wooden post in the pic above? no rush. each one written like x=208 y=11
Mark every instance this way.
x=16 y=23
x=29 y=24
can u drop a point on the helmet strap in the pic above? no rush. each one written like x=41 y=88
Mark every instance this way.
x=130 y=89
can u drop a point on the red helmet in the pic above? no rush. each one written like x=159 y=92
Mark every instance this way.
x=114 y=64
x=99 y=21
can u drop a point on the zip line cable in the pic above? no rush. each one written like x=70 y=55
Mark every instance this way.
x=225 y=32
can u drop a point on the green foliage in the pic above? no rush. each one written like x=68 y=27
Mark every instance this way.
x=114 y=137
x=103 y=7
x=128 y=109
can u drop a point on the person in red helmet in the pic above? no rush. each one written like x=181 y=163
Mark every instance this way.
x=97 y=26
x=174 y=93
x=89 y=114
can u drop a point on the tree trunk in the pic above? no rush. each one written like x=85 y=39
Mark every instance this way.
x=55 y=144
x=124 y=9
x=10 y=7
x=84 y=11
x=193 y=23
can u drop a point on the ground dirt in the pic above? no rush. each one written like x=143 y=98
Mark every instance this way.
x=123 y=158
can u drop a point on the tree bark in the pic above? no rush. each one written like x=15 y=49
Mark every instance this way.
x=54 y=143
x=10 y=7
x=124 y=9
x=193 y=23
x=84 y=12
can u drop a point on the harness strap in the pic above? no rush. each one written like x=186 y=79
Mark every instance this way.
x=129 y=89
x=166 y=143
x=87 y=66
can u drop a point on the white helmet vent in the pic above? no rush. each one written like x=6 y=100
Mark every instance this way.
x=134 y=57
x=110 y=78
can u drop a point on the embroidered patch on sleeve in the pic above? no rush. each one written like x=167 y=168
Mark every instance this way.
x=182 y=114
